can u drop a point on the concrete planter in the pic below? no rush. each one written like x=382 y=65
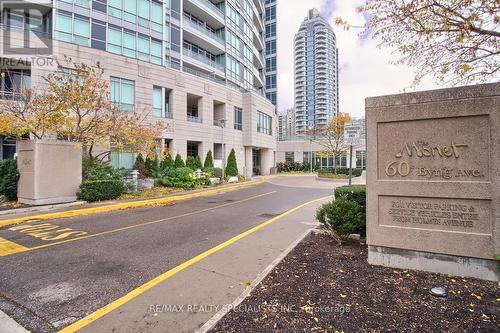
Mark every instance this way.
x=50 y=171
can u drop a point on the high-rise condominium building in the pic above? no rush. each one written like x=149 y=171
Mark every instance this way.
x=193 y=64
x=316 y=73
x=287 y=125
x=271 y=51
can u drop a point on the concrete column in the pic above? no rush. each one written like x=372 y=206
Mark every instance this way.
x=267 y=162
x=180 y=147
x=248 y=162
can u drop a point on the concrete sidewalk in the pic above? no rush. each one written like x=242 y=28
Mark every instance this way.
x=186 y=300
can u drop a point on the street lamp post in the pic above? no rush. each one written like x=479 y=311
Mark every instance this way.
x=310 y=128
x=222 y=125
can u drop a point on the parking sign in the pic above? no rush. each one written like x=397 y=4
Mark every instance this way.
x=352 y=134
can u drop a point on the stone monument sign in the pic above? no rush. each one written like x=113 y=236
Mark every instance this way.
x=433 y=180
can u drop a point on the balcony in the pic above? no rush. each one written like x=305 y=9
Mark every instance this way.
x=204 y=35
x=206 y=10
x=194 y=119
x=12 y=96
x=203 y=60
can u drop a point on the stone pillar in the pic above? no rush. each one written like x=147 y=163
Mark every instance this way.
x=248 y=162
x=50 y=171
x=267 y=161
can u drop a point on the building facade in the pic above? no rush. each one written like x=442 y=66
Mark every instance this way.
x=316 y=73
x=302 y=150
x=271 y=51
x=196 y=65
x=287 y=125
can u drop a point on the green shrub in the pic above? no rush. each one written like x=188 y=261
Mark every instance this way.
x=167 y=161
x=232 y=166
x=341 y=171
x=182 y=178
x=354 y=192
x=190 y=163
x=293 y=167
x=98 y=190
x=150 y=165
x=8 y=179
x=209 y=161
x=342 y=216
x=179 y=163
x=197 y=162
x=100 y=181
x=217 y=173
x=140 y=165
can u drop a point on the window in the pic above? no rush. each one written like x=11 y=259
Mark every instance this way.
x=238 y=118
x=143 y=48
x=98 y=34
x=271 y=82
x=233 y=15
x=270 y=64
x=130 y=11
x=7 y=148
x=289 y=157
x=264 y=123
x=82 y=31
x=270 y=47
x=115 y=40
x=272 y=97
x=361 y=159
x=122 y=160
x=64 y=28
x=192 y=149
x=129 y=44
x=123 y=93
x=270 y=13
x=270 y=29
x=161 y=102
x=233 y=69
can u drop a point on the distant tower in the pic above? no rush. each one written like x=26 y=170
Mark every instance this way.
x=271 y=51
x=287 y=125
x=316 y=73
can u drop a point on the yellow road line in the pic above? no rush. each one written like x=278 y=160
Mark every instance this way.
x=168 y=274
x=8 y=252
x=7 y=247
x=125 y=205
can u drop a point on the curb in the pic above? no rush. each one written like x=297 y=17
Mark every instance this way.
x=7 y=324
x=126 y=205
x=41 y=208
x=219 y=315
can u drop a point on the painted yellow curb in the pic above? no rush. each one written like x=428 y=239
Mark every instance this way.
x=168 y=274
x=126 y=205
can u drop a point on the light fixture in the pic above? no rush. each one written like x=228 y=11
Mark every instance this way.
x=438 y=290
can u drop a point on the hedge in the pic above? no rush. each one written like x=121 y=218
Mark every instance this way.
x=355 y=193
x=340 y=171
x=8 y=179
x=98 y=190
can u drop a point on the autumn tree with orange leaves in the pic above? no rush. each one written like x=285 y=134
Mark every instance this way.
x=331 y=137
x=75 y=106
x=456 y=41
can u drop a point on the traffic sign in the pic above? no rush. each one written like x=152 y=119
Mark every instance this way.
x=352 y=134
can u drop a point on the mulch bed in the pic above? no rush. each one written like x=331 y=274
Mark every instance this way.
x=323 y=287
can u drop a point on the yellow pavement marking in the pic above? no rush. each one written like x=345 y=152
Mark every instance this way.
x=125 y=205
x=132 y=226
x=7 y=247
x=168 y=274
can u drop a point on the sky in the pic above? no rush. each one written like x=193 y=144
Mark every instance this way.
x=364 y=69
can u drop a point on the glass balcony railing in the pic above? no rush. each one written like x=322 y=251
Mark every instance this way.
x=194 y=119
x=211 y=7
x=203 y=59
x=203 y=30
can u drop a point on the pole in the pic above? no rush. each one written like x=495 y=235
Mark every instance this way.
x=311 y=156
x=350 y=165
x=223 y=152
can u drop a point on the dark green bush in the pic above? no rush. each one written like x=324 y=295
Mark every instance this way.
x=209 y=161
x=140 y=165
x=355 y=193
x=340 y=171
x=197 y=162
x=167 y=161
x=179 y=163
x=97 y=190
x=190 y=163
x=232 y=166
x=8 y=179
x=294 y=167
x=182 y=178
x=342 y=216
x=100 y=181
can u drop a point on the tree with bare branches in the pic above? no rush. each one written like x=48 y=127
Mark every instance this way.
x=457 y=41
x=75 y=106
x=331 y=137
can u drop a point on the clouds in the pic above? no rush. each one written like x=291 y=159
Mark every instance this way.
x=364 y=69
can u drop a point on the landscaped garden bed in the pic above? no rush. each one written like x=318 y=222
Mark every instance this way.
x=322 y=286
